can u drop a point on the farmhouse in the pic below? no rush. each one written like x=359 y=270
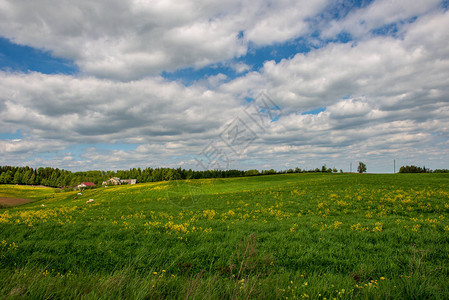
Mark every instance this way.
x=118 y=181
x=85 y=184
x=128 y=181
x=113 y=181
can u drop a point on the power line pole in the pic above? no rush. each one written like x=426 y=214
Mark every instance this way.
x=350 y=168
x=394 y=163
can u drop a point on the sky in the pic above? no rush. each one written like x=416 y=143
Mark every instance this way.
x=209 y=84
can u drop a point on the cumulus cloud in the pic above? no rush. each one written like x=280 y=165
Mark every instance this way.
x=379 y=14
x=384 y=97
x=97 y=110
x=135 y=38
x=240 y=67
x=393 y=73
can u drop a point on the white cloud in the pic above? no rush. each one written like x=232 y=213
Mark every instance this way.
x=361 y=22
x=279 y=21
x=19 y=146
x=398 y=96
x=385 y=97
x=240 y=67
x=391 y=73
x=133 y=39
x=89 y=109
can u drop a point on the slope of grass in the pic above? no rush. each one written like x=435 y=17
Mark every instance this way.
x=295 y=235
x=27 y=192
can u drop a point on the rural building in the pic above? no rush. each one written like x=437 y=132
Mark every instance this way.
x=112 y=181
x=128 y=181
x=85 y=184
x=118 y=181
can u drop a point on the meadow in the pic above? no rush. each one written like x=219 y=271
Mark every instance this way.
x=30 y=193
x=307 y=236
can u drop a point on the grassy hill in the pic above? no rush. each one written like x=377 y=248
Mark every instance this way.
x=294 y=235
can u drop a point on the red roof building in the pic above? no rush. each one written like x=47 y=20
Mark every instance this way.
x=84 y=184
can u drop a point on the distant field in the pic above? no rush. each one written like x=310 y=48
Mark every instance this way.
x=30 y=192
x=11 y=195
x=302 y=236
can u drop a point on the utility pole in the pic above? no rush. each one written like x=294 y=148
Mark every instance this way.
x=394 y=163
x=350 y=168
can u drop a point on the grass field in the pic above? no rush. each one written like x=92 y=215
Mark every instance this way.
x=28 y=192
x=290 y=236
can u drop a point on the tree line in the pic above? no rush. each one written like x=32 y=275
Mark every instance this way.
x=55 y=177
x=415 y=169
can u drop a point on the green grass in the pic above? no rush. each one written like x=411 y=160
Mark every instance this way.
x=26 y=192
x=297 y=236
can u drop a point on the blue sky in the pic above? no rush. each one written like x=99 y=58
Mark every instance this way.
x=11 y=135
x=18 y=58
x=144 y=84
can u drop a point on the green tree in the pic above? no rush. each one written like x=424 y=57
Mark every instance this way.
x=361 y=168
x=17 y=177
x=252 y=172
x=27 y=177
x=8 y=177
x=32 y=179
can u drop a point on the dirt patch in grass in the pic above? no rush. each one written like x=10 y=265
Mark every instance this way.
x=9 y=201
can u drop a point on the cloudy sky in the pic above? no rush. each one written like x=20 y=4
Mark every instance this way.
x=114 y=84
